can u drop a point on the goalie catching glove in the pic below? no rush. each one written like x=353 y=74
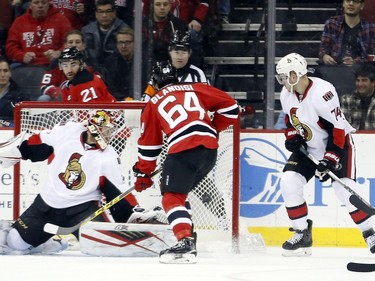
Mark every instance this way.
x=330 y=162
x=294 y=141
x=143 y=180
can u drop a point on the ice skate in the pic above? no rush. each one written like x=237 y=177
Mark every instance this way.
x=155 y=215
x=369 y=236
x=300 y=244
x=183 y=252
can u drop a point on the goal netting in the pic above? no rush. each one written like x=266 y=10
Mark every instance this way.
x=214 y=208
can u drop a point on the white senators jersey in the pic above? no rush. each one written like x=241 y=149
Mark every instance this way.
x=76 y=170
x=317 y=116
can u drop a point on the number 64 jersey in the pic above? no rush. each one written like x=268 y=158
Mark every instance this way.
x=181 y=112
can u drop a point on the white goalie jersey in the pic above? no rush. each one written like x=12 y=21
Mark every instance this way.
x=317 y=116
x=84 y=167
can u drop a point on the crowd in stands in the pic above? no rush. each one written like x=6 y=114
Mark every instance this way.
x=35 y=32
x=346 y=53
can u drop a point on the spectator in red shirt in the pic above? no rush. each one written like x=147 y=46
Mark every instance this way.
x=73 y=10
x=37 y=36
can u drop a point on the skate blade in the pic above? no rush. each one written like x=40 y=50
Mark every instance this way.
x=178 y=258
x=301 y=252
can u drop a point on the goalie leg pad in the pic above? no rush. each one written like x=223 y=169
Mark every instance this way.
x=125 y=239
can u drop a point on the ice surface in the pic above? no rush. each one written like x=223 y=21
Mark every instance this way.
x=324 y=264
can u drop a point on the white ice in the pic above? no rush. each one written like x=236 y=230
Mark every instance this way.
x=324 y=264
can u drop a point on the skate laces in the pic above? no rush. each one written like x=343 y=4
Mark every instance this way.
x=297 y=236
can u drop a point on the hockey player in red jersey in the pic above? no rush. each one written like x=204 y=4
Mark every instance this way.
x=180 y=111
x=81 y=86
x=315 y=122
x=82 y=166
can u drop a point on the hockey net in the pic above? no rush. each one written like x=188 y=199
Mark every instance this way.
x=214 y=202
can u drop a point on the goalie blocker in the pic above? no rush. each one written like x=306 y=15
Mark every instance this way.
x=125 y=239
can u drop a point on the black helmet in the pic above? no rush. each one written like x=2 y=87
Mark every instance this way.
x=163 y=73
x=180 y=40
x=72 y=53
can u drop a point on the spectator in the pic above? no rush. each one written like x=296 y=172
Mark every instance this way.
x=73 y=10
x=118 y=67
x=359 y=107
x=125 y=11
x=37 y=36
x=10 y=94
x=248 y=119
x=223 y=10
x=82 y=85
x=6 y=18
x=100 y=37
x=54 y=76
x=156 y=39
x=347 y=39
x=20 y=6
x=368 y=12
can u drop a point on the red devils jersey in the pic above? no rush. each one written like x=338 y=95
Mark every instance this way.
x=180 y=111
x=87 y=87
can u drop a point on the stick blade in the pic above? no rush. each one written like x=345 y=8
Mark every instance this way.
x=361 y=205
x=360 y=267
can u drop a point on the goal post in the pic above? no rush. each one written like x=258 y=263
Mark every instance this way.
x=214 y=202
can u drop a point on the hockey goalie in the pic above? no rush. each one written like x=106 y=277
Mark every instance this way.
x=82 y=167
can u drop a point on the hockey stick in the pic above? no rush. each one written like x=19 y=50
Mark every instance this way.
x=360 y=267
x=354 y=198
x=12 y=140
x=60 y=230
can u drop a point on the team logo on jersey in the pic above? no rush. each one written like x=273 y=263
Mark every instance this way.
x=328 y=96
x=73 y=177
x=302 y=129
x=262 y=163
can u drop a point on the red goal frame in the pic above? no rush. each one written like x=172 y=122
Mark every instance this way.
x=124 y=105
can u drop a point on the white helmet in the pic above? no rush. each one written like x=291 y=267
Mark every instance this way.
x=292 y=62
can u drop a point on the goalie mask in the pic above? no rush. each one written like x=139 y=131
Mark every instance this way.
x=103 y=127
x=163 y=73
x=292 y=62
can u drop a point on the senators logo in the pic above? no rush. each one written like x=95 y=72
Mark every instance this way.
x=302 y=129
x=73 y=177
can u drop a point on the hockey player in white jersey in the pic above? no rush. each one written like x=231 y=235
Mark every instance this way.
x=82 y=166
x=314 y=121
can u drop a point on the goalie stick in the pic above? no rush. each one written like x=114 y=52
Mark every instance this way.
x=354 y=198
x=14 y=139
x=60 y=230
x=360 y=267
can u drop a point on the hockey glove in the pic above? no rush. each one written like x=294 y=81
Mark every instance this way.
x=294 y=141
x=53 y=92
x=143 y=180
x=330 y=162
